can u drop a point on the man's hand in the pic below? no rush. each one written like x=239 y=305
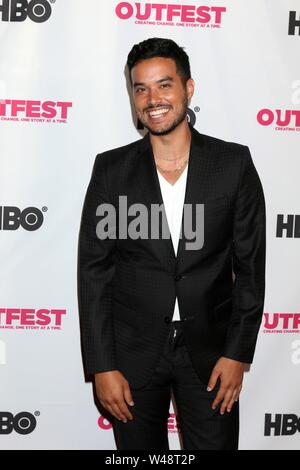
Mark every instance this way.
x=114 y=394
x=231 y=374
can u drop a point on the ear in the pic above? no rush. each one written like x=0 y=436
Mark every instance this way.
x=190 y=88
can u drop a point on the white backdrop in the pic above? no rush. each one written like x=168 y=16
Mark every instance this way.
x=63 y=100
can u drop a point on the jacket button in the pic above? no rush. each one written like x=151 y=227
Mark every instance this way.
x=167 y=319
x=179 y=277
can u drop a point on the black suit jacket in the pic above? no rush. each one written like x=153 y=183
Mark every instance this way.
x=127 y=288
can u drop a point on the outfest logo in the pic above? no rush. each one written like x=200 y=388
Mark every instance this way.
x=280 y=119
x=170 y=14
x=173 y=423
x=31 y=318
x=283 y=118
x=35 y=111
x=281 y=323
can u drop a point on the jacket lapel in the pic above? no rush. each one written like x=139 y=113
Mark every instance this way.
x=197 y=178
x=149 y=186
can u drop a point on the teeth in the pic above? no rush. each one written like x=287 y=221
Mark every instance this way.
x=159 y=112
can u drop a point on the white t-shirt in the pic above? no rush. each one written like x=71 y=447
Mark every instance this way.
x=173 y=198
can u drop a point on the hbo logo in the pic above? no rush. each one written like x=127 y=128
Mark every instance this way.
x=282 y=424
x=22 y=423
x=18 y=10
x=12 y=217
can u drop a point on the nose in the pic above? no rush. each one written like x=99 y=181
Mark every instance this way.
x=153 y=98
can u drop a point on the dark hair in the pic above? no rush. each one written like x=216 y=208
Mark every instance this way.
x=160 y=47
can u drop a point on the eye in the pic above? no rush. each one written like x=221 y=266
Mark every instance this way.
x=139 y=90
x=165 y=85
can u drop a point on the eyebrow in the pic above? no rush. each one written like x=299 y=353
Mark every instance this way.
x=167 y=78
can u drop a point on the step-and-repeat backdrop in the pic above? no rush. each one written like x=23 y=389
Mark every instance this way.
x=63 y=99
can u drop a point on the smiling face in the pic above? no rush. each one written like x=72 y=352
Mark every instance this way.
x=159 y=95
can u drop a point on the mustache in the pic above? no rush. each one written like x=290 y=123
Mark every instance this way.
x=157 y=107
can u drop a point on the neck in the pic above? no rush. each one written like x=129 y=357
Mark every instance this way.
x=173 y=145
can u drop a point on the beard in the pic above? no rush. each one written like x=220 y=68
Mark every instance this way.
x=177 y=120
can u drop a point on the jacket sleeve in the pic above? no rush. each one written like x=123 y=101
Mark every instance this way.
x=249 y=253
x=95 y=276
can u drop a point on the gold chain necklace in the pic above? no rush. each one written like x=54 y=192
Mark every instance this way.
x=175 y=169
x=170 y=160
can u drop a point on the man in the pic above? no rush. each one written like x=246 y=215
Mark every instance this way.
x=159 y=315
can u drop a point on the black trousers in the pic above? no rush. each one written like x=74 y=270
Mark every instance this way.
x=201 y=428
